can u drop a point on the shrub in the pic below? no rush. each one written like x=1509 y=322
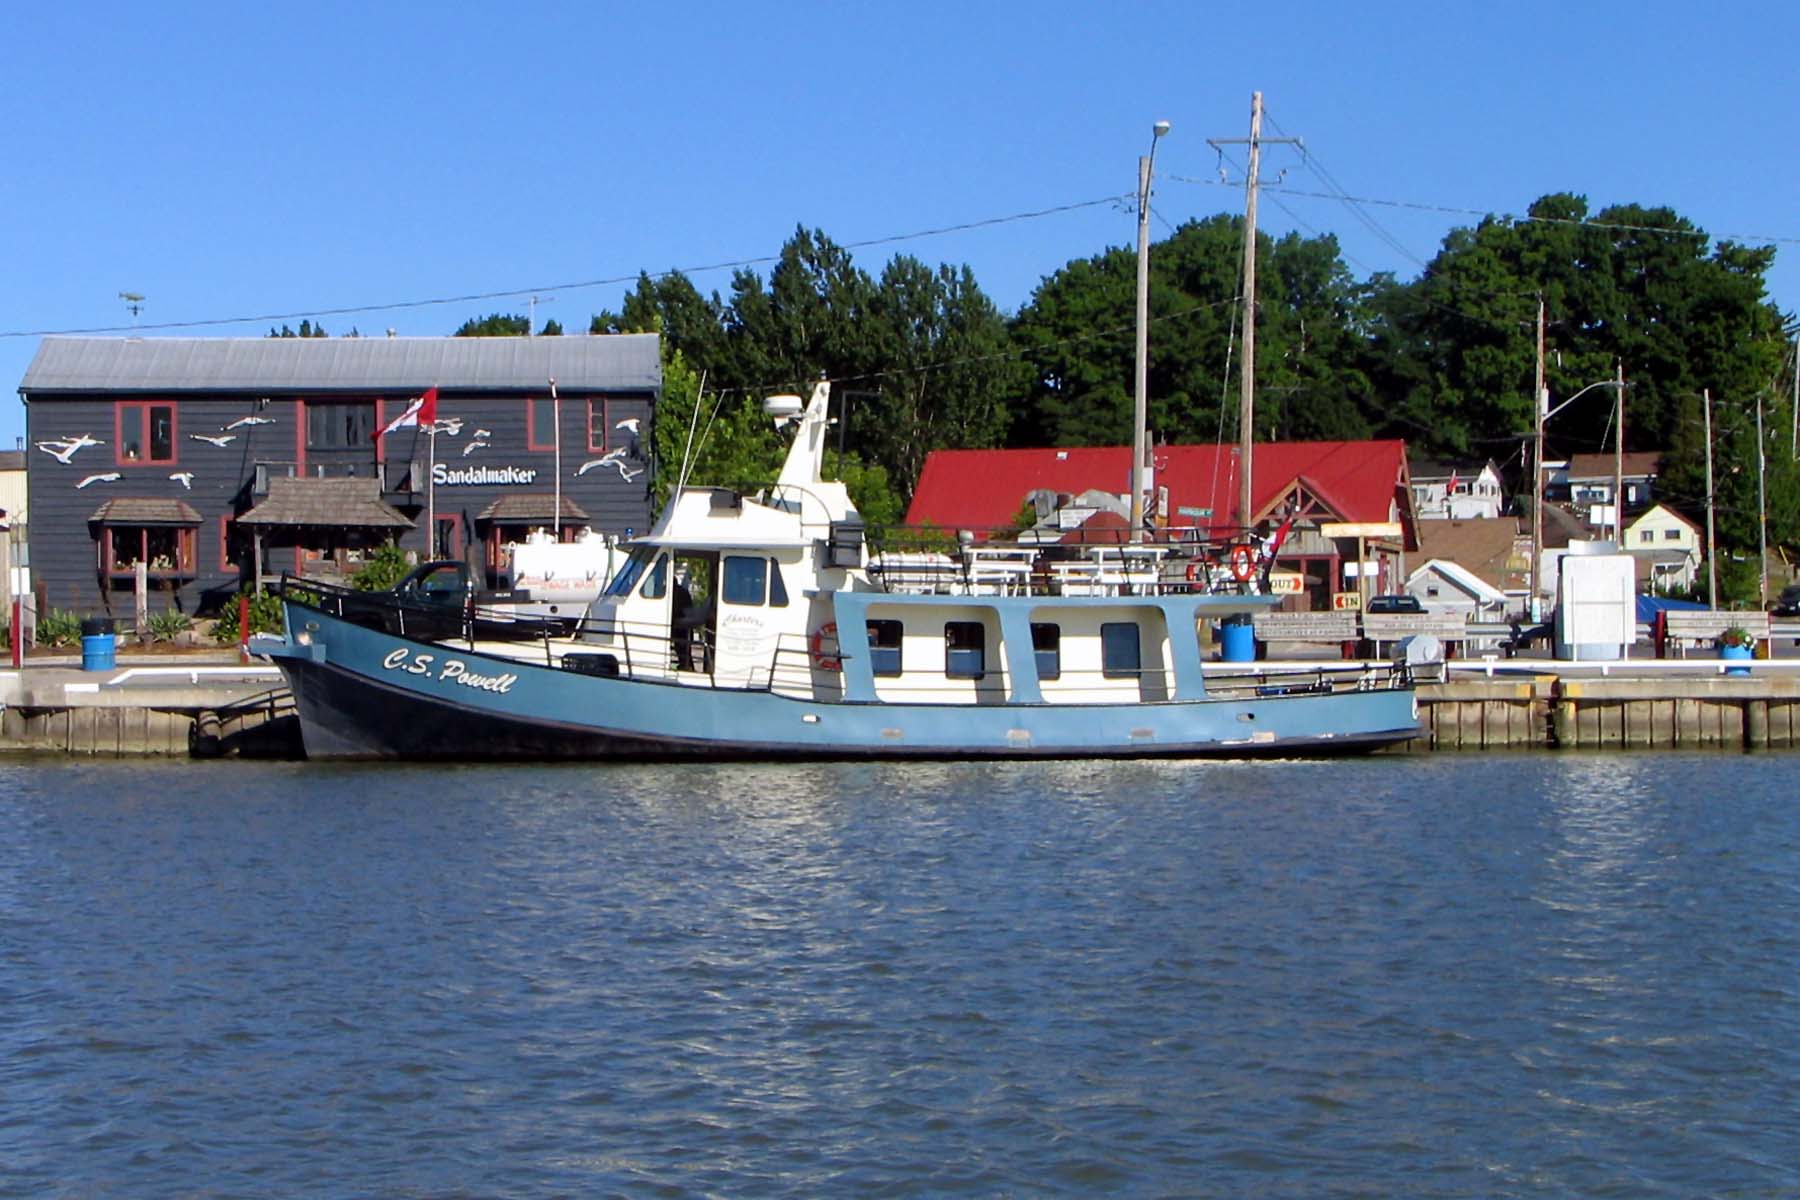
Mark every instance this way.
x=167 y=626
x=58 y=628
x=265 y=616
x=382 y=570
x=1737 y=635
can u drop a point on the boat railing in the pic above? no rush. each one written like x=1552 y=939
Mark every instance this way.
x=997 y=569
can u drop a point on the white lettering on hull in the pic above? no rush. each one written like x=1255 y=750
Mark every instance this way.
x=454 y=670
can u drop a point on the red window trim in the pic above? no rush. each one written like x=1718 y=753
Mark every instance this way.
x=532 y=440
x=144 y=406
x=605 y=424
x=187 y=552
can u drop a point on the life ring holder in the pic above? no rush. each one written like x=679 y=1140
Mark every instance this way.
x=1243 y=562
x=823 y=660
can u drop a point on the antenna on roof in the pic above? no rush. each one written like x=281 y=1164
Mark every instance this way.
x=135 y=302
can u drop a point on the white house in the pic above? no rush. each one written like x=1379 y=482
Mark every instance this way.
x=1444 y=586
x=1668 y=545
x=1459 y=492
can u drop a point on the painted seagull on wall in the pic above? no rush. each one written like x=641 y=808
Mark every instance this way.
x=612 y=458
x=109 y=477
x=62 y=450
x=185 y=479
x=220 y=440
x=242 y=421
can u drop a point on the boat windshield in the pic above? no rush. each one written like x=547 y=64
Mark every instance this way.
x=631 y=572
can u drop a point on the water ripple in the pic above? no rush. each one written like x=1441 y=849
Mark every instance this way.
x=1452 y=977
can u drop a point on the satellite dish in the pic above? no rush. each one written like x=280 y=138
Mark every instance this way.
x=783 y=408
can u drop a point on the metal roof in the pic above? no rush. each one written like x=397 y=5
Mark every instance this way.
x=531 y=506
x=586 y=363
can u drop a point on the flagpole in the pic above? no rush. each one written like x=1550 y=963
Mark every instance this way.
x=431 y=492
x=556 y=425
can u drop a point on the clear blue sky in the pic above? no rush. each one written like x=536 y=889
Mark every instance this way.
x=241 y=160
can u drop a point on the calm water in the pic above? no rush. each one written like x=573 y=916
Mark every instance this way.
x=1453 y=976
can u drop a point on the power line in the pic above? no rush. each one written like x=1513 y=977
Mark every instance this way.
x=511 y=293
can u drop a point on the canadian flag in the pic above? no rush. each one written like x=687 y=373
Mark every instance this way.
x=422 y=411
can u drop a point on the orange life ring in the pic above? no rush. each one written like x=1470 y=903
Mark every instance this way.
x=831 y=661
x=1243 y=562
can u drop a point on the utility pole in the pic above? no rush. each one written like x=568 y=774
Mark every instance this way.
x=1619 y=460
x=1247 y=367
x=1762 y=508
x=1712 y=567
x=1540 y=402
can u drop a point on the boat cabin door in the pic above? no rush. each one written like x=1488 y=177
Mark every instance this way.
x=693 y=611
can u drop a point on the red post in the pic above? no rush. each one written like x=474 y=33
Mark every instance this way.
x=243 y=628
x=18 y=633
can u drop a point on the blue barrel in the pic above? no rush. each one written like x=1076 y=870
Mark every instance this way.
x=97 y=652
x=1237 y=640
x=98 y=644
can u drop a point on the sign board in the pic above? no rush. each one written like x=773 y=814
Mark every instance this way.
x=1286 y=583
x=1364 y=529
x=1346 y=601
x=1306 y=627
x=1188 y=510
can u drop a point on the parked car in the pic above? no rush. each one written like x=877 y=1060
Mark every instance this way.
x=1395 y=604
x=1788 y=603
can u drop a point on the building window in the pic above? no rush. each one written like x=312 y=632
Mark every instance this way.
x=1046 y=647
x=884 y=647
x=542 y=419
x=447 y=539
x=1120 y=656
x=1671 y=535
x=229 y=546
x=1646 y=536
x=337 y=426
x=146 y=432
x=746 y=580
x=167 y=551
x=964 y=646
x=596 y=426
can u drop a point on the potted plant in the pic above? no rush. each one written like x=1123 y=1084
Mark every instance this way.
x=1736 y=642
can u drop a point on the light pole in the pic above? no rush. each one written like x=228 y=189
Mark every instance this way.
x=1544 y=413
x=1140 y=405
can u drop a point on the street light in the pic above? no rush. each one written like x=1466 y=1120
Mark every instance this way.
x=1140 y=403
x=1544 y=413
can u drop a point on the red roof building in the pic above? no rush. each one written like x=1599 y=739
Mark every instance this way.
x=1336 y=481
x=1196 y=488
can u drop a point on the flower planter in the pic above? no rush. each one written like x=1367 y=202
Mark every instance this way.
x=1735 y=652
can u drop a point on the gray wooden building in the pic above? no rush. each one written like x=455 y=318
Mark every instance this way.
x=198 y=456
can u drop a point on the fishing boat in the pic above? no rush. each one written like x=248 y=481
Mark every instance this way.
x=758 y=624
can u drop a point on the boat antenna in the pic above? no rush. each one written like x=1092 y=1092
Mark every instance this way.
x=688 y=451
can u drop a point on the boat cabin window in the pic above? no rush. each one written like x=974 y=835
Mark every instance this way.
x=1120 y=656
x=628 y=574
x=746 y=580
x=777 y=589
x=1046 y=646
x=964 y=643
x=656 y=581
x=884 y=647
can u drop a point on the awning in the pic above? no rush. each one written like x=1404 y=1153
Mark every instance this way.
x=532 y=507
x=129 y=510
x=325 y=503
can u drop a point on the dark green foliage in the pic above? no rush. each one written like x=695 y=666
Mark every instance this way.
x=495 y=325
x=265 y=616
x=58 y=628
x=382 y=569
x=307 y=330
x=921 y=360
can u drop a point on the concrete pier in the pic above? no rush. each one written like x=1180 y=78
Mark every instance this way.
x=1611 y=712
x=204 y=707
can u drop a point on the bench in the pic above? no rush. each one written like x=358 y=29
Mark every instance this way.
x=1685 y=629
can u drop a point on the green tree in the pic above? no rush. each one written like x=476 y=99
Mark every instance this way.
x=495 y=325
